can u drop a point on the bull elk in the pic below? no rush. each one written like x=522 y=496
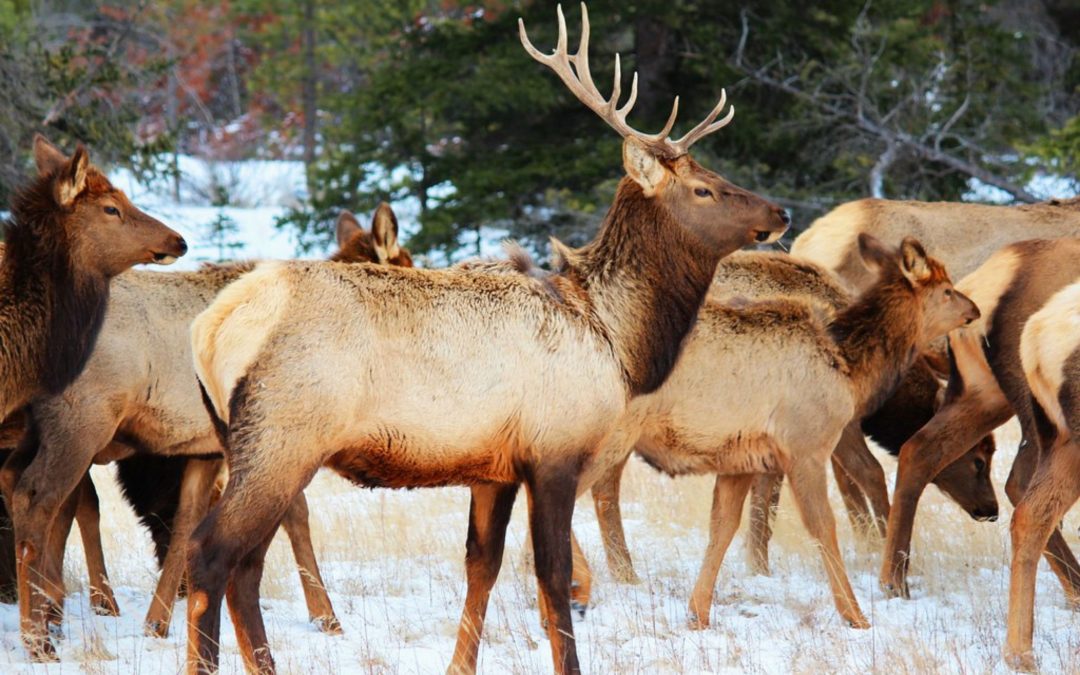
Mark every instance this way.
x=483 y=380
x=986 y=387
x=138 y=395
x=1050 y=357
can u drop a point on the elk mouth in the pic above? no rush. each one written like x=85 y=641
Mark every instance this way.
x=766 y=236
x=160 y=258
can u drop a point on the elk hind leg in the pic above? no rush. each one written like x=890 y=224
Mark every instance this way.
x=729 y=493
x=808 y=485
x=489 y=514
x=199 y=475
x=861 y=467
x=764 y=499
x=553 y=491
x=1054 y=489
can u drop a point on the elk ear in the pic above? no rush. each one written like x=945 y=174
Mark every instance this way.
x=913 y=261
x=384 y=232
x=47 y=156
x=71 y=181
x=347 y=228
x=875 y=253
x=643 y=166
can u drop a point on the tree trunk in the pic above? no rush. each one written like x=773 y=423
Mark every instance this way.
x=309 y=92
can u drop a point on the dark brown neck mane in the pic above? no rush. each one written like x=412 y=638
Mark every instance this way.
x=878 y=335
x=51 y=309
x=647 y=278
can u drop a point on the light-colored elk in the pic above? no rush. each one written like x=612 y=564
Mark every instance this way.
x=961 y=235
x=721 y=413
x=484 y=380
x=986 y=387
x=138 y=394
x=1050 y=356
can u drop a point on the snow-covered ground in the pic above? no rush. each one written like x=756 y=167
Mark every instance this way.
x=393 y=563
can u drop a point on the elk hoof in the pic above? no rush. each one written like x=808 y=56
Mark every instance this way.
x=328 y=624
x=158 y=629
x=104 y=605
x=695 y=622
x=859 y=623
x=1021 y=663
x=896 y=590
x=41 y=649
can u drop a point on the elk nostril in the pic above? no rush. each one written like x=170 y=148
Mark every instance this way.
x=182 y=245
x=785 y=216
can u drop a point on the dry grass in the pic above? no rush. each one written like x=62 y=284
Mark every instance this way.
x=393 y=564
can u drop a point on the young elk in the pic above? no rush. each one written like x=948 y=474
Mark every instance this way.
x=986 y=387
x=306 y=368
x=138 y=394
x=70 y=233
x=848 y=360
x=1050 y=357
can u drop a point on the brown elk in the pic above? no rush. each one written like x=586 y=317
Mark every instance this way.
x=849 y=360
x=962 y=235
x=986 y=387
x=71 y=232
x=510 y=378
x=138 y=394
x=758 y=276
x=1050 y=357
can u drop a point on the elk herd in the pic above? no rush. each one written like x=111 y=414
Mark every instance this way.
x=220 y=393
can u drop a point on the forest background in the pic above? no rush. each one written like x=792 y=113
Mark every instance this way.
x=434 y=101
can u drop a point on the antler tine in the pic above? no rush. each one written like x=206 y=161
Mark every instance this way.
x=581 y=59
x=623 y=111
x=706 y=127
x=616 y=90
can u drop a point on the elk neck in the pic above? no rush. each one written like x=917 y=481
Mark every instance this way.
x=646 y=277
x=51 y=307
x=878 y=335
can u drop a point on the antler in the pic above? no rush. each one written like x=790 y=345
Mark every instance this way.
x=579 y=80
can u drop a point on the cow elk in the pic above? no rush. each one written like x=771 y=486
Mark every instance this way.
x=70 y=233
x=138 y=395
x=986 y=387
x=961 y=235
x=1050 y=357
x=541 y=370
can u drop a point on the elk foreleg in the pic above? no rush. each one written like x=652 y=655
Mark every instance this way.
x=955 y=428
x=605 y=495
x=88 y=515
x=320 y=610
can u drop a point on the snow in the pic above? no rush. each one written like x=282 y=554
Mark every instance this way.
x=393 y=563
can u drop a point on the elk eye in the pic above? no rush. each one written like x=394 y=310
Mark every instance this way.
x=979 y=465
x=112 y=210
x=702 y=192
x=948 y=292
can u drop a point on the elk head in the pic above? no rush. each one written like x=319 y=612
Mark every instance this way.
x=943 y=307
x=105 y=231
x=379 y=246
x=714 y=210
